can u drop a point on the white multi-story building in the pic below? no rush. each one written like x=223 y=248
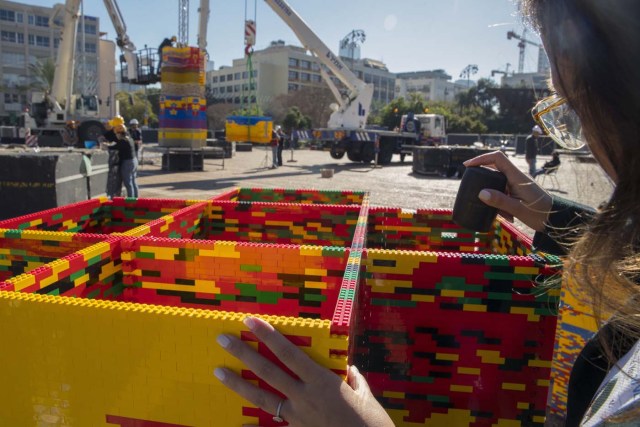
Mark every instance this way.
x=433 y=85
x=28 y=35
x=281 y=69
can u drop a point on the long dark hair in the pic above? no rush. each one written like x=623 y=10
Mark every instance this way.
x=594 y=46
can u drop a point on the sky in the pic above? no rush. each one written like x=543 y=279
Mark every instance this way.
x=407 y=35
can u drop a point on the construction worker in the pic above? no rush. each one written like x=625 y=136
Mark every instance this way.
x=136 y=135
x=69 y=134
x=165 y=43
x=128 y=162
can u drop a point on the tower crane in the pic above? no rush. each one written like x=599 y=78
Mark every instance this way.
x=522 y=44
x=350 y=42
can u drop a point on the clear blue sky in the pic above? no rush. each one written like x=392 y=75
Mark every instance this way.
x=408 y=35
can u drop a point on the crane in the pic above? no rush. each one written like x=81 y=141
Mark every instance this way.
x=522 y=44
x=352 y=110
x=504 y=72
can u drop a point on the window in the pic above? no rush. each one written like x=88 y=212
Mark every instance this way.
x=20 y=38
x=245 y=75
x=255 y=73
x=56 y=42
x=222 y=89
x=229 y=77
x=305 y=64
x=19 y=17
x=236 y=88
x=305 y=77
x=90 y=29
x=237 y=75
x=11 y=98
x=293 y=75
x=41 y=21
x=316 y=78
x=42 y=41
x=293 y=62
x=7 y=15
x=214 y=79
x=8 y=36
x=315 y=66
x=292 y=87
x=90 y=47
x=12 y=59
x=222 y=78
x=32 y=19
x=236 y=100
x=229 y=88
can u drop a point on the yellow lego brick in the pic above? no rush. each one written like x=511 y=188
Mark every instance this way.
x=468 y=371
x=537 y=363
x=447 y=356
x=474 y=307
x=315 y=285
x=513 y=386
x=423 y=298
x=524 y=405
x=526 y=270
x=161 y=253
x=452 y=293
x=507 y=423
x=461 y=388
x=490 y=356
x=543 y=383
x=22 y=281
x=393 y=394
x=531 y=316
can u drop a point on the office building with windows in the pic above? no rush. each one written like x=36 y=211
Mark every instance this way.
x=434 y=85
x=281 y=69
x=30 y=35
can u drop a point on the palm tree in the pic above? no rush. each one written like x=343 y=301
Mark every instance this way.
x=43 y=73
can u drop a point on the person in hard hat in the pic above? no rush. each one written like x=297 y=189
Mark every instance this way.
x=531 y=149
x=168 y=42
x=274 y=147
x=69 y=134
x=136 y=135
x=127 y=161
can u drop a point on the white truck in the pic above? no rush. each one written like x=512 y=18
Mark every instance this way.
x=50 y=112
x=346 y=131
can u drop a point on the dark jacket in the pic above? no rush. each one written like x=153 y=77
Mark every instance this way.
x=126 y=148
x=531 y=147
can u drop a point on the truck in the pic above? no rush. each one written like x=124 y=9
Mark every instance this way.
x=347 y=131
x=50 y=111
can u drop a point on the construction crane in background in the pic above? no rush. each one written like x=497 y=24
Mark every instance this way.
x=503 y=72
x=522 y=44
x=183 y=23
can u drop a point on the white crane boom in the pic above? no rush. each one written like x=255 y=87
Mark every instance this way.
x=203 y=22
x=122 y=39
x=65 y=62
x=352 y=110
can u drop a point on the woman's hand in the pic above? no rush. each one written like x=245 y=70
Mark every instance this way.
x=318 y=398
x=524 y=200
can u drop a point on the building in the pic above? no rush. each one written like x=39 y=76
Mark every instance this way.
x=281 y=69
x=433 y=85
x=31 y=34
x=536 y=81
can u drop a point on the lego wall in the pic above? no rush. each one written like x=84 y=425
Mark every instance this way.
x=456 y=338
x=284 y=195
x=324 y=225
x=78 y=362
x=284 y=280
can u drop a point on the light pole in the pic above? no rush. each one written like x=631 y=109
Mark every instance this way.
x=467 y=72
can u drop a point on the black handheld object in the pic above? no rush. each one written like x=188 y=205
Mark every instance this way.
x=469 y=211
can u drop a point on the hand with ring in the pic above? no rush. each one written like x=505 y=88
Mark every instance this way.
x=318 y=398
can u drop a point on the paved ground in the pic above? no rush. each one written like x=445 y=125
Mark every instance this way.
x=392 y=185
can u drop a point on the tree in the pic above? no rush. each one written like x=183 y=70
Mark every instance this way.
x=43 y=73
x=311 y=101
x=294 y=120
x=217 y=115
x=136 y=106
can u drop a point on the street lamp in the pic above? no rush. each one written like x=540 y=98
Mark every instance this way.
x=467 y=72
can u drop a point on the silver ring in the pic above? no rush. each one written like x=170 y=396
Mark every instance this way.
x=277 y=418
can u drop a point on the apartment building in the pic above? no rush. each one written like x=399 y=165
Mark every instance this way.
x=281 y=69
x=434 y=85
x=31 y=34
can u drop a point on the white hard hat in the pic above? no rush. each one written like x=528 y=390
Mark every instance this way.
x=536 y=129
x=133 y=122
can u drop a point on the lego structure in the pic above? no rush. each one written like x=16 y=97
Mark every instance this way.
x=110 y=309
